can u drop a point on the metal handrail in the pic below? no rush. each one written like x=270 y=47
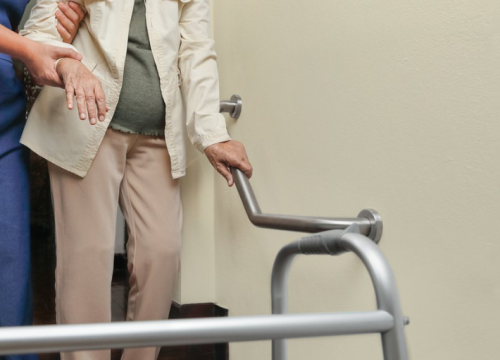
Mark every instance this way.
x=368 y=220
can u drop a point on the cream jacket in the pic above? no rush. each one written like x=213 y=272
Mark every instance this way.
x=179 y=33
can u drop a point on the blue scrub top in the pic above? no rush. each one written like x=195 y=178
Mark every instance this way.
x=15 y=287
x=12 y=95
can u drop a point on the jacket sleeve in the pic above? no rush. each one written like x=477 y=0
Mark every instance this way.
x=41 y=25
x=200 y=81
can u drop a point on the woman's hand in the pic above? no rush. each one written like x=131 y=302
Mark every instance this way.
x=229 y=154
x=40 y=60
x=80 y=82
x=69 y=15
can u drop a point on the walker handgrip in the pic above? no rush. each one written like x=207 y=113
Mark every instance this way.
x=325 y=243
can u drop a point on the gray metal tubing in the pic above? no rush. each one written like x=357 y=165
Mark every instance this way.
x=279 y=284
x=290 y=222
x=384 y=283
x=279 y=292
x=233 y=106
x=386 y=290
x=227 y=106
x=55 y=338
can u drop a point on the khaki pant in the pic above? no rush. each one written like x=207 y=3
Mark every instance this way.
x=134 y=172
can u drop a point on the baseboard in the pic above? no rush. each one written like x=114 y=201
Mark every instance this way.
x=196 y=352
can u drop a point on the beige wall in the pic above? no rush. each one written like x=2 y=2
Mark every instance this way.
x=386 y=104
x=196 y=283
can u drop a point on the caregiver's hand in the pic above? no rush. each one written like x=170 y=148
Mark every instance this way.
x=69 y=15
x=40 y=60
x=80 y=82
x=229 y=154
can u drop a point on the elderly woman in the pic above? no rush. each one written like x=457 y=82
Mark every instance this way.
x=15 y=287
x=155 y=64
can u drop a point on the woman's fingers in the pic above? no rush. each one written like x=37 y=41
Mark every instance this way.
x=101 y=102
x=80 y=102
x=70 y=94
x=88 y=100
x=246 y=167
x=91 y=105
x=224 y=171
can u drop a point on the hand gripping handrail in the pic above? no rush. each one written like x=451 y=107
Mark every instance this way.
x=336 y=242
x=368 y=220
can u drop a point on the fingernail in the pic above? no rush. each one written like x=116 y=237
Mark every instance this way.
x=101 y=117
x=93 y=121
x=82 y=116
x=58 y=12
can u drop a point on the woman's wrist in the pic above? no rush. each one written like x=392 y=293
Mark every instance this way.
x=66 y=65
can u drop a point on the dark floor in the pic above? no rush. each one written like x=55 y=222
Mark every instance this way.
x=43 y=265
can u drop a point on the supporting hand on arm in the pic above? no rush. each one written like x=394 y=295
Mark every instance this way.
x=229 y=154
x=40 y=58
x=69 y=15
x=80 y=82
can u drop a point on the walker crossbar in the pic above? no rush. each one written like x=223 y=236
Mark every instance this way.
x=55 y=338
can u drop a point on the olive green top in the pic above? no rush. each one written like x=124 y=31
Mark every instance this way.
x=140 y=109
